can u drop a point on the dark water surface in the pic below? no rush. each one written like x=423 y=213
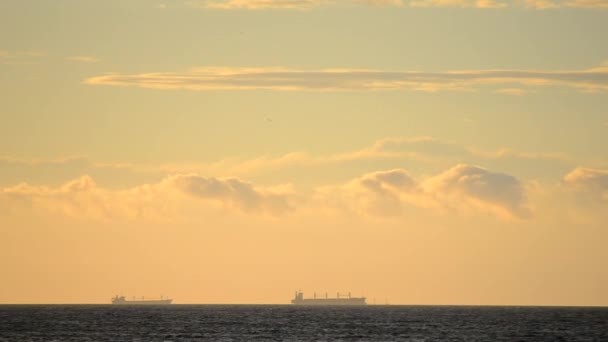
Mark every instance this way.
x=289 y=323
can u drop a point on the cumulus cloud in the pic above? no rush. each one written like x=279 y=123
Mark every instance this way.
x=282 y=79
x=83 y=198
x=236 y=193
x=497 y=192
x=78 y=198
x=462 y=188
x=379 y=193
x=590 y=183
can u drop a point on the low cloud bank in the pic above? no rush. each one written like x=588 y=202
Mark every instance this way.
x=463 y=189
x=83 y=198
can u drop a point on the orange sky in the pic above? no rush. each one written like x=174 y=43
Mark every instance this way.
x=228 y=151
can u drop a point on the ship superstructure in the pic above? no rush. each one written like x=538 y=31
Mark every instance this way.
x=121 y=300
x=339 y=300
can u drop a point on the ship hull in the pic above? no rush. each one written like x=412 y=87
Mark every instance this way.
x=330 y=302
x=143 y=302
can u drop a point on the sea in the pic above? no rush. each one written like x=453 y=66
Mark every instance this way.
x=298 y=323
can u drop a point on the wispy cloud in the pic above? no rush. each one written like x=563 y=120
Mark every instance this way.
x=551 y=4
x=512 y=91
x=21 y=54
x=286 y=4
x=308 y=4
x=257 y=4
x=29 y=57
x=21 y=57
x=459 y=3
x=396 y=151
x=83 y=59
x=283 y=79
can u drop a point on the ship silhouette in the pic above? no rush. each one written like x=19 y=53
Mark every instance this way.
x=121 y=300
x=339 y=300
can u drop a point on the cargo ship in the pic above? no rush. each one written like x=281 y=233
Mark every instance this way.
x=339 y=300
x=121 y=300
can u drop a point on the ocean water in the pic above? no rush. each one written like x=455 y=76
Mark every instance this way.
x=291 y=323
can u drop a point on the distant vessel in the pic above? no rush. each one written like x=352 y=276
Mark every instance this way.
x=121 y=300
x=339 y=300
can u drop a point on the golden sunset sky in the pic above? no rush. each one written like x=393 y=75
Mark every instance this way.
x=233 y=151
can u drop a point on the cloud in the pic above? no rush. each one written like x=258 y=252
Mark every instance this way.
x=235 y=193
x=309 y=4
x=589 y=183
x=257 y=4
x=21 y=54
x=462 y=188
x=77 y=198
x=29 y=57
x=540 y=4
x=458 y=3
x=59 y=170
x=490 y=4
x=500 y=193
x=390 y=152
x=423 y=145
x=380 y=193
x=551 y=4
x=83 y=198
x=512 y=91
x=588 y=3
x=282 y=79
x=83 y=59
x=585 y=194
x=421 y=150
x=284 y=4
x=21 y=57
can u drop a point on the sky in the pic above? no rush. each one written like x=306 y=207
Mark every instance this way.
x=233 y=151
